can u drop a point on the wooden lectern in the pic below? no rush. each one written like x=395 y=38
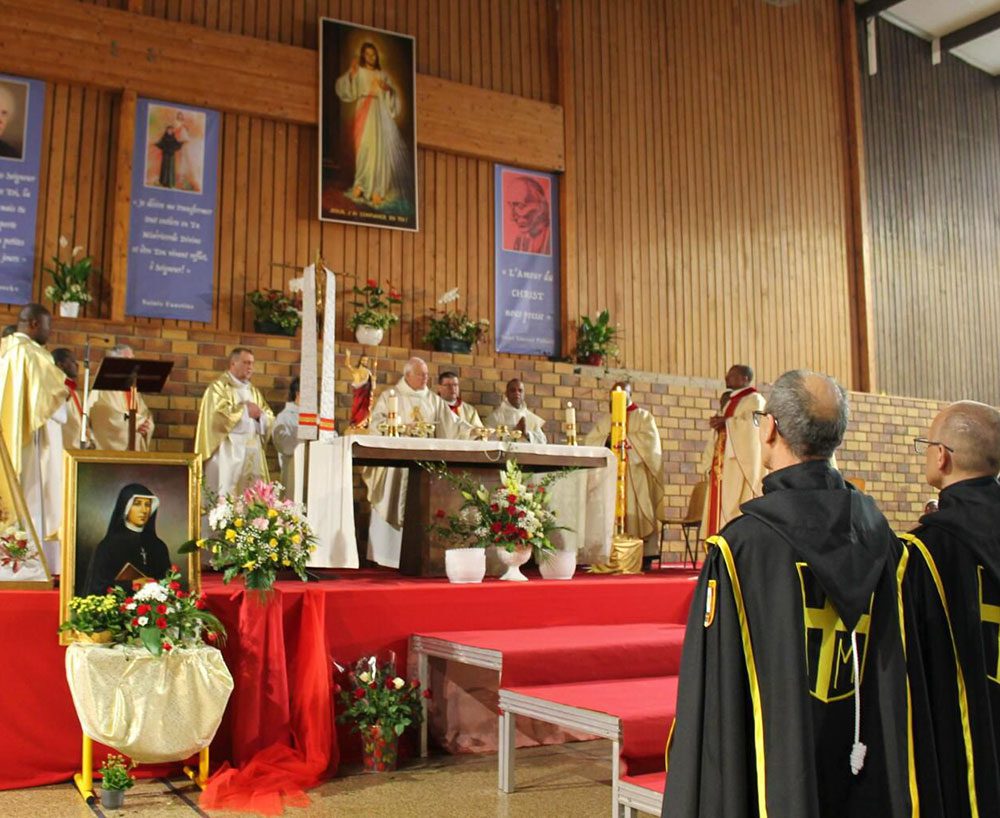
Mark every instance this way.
x=132 y=375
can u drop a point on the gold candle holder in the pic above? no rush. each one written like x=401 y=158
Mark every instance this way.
x=570 y=424
x=391 y=426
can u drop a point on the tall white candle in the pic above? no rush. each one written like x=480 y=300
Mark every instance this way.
x=570 y=414
x=393 y=402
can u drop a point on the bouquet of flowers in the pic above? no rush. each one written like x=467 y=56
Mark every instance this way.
x=15 y=549
x=275 y=307
x=375 y=695
x=375 y=306
x=69 y=278
x=159 y=616
x=256 y=534
x=514 y=515
x=454 y=325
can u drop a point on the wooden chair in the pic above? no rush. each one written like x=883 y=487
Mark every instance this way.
x=689 y=523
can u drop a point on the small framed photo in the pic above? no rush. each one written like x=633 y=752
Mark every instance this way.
x=22 y=559
x=125 y=517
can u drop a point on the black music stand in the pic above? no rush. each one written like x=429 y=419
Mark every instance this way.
x=132 y=375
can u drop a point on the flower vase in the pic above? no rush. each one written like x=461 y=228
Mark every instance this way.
x=452 y=345
x=380 y=748
x=465 y=565
x=69 y=309
x=368 y=335
x=514 y=560
x=557 y=564
x=112 y=799
x=95 y=638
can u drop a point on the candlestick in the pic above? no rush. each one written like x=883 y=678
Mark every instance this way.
x=570 y=424
x=393 y=402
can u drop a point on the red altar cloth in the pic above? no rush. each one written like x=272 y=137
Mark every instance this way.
x=360 y=613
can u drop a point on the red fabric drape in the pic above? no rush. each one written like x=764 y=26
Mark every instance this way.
x=283 y=744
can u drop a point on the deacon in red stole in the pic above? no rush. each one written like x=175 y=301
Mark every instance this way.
x=953 y=584
x=732 y=459
x=793 y=698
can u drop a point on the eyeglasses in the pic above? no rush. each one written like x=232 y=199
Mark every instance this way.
x=758 y=414
x=921 y=444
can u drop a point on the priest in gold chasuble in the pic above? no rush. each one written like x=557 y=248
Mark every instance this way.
x=732 y=459
x=645 y=470
x=234 y=423
x=953 y=584
x=414 y=402
x=793 y=699
x=33 y=409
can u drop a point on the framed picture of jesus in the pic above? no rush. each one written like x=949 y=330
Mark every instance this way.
x=367 y=126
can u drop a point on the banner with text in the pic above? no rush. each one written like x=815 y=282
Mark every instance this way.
x=22 y=105
x=527 y=261
x=171 y=253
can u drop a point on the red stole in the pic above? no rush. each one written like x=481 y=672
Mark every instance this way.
x=718 y=457
x=457 y=406
x=73 y=395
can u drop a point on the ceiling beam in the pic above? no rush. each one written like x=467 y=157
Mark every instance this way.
x=875 y=7
x=973 y=31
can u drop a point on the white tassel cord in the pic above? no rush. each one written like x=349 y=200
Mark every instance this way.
x=858 y=750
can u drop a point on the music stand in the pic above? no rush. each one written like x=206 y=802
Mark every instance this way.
x=132 y=375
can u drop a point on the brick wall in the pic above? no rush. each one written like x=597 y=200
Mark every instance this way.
x=877 y=448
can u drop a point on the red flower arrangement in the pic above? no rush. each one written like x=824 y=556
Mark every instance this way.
x=375 y=305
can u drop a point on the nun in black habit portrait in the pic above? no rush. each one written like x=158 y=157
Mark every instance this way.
x=131 y=538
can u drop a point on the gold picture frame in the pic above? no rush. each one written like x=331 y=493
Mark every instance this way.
x=14 y=510
x=95 y=480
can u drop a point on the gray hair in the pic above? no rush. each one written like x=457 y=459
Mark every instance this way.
x=120 y=351
x=408 y=366
x=811 y=412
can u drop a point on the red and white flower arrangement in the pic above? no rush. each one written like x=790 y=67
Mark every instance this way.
x=16 y=549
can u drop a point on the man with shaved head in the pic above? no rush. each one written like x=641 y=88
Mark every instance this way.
x=953 y=583
x=415 y=402
x=33 y=409
x=797 y=600
x=514 y=414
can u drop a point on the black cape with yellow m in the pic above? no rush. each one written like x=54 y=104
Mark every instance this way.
x=767 y=701
x=952 y=586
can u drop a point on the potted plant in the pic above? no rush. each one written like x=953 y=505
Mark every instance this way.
x=274 y=312
x=454 y=331
x=595 y=340
x=69 y=280
x=374 y=314
x=116 y=777
x=93 y=618
x=381 y=705
x=515 y=517
x=255 y=535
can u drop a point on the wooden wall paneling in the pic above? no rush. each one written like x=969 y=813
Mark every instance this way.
x=121 y=203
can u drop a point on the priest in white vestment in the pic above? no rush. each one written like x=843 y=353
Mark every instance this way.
x=234 y=423
x=387 y=486
x=514 y=414
x=33 y=410
x=108 y=411
x=732 y=460
x=645 y=470
x=451 y=393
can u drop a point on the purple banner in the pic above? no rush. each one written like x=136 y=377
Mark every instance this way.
x=22 y=104
x=171 y=254
x=527 y=262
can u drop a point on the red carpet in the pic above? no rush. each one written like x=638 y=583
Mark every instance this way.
x=650 y=781
x=646 y=708
x=282 y=681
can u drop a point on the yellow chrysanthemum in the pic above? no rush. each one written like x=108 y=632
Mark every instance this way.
x=274 y=556
x=272 y=512
x=286 y=561
x=230 y=534
x=296 y=539
x=239 y=522
x=273 y=543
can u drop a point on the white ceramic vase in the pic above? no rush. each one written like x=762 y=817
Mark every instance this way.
x=69 y=309
x=514 y=560
x=465 y=565
x=368 y=335
x=557 y=564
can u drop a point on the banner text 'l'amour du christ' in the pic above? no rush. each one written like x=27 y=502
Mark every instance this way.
x=22 y=104
x=527 y=262
x=171 y=254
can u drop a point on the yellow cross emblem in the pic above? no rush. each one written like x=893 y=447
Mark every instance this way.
x=829 y=654
x=989 y=614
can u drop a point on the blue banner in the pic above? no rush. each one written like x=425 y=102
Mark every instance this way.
x=22 y=104
x=527 y=261
x=171 y=254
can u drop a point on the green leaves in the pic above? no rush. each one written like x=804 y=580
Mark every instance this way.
x=150 y=638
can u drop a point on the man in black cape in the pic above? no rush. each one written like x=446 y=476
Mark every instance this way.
x=952 y=583
x=796 y=596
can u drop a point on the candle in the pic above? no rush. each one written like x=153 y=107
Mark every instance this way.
x=619 y=405
x=570 y=414
x=393 y=402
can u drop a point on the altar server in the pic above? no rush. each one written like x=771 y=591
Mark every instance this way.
x=33 y=409
x=234 y=423
x=514 y=414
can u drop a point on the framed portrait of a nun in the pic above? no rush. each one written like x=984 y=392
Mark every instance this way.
x=125 y=517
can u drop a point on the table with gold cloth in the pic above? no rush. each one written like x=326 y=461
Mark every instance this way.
x=151 y=708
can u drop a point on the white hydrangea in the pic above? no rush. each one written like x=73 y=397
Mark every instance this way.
x=218 y=517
